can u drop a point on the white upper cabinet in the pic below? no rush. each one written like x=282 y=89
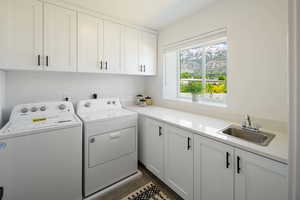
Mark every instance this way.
x=131 y=51
x=90 y=43
x=259 y=178
x=213 y=170
x=112 y=47
x=148 y=53
x=38 y=35
x=21 y=34
x=179 y=173
x=60 y=38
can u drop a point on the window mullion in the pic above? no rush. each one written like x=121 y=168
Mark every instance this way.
x=203 y=70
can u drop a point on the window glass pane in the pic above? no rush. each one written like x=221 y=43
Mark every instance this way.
x=191 y=70
x=216 y=67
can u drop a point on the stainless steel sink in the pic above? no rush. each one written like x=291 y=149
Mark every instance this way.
x=260 y=138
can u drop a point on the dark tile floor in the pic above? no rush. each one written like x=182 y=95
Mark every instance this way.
x=147 y=176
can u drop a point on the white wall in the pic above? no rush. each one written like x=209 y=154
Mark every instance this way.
x=2 y=96
x=257 y=68
x=26 y=87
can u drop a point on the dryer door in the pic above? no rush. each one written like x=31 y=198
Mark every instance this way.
x=110 y=146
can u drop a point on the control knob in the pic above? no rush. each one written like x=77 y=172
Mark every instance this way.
x=24 y=110
x=62 y=107
x=87 y=104
x=34 y=109
x=42 y=108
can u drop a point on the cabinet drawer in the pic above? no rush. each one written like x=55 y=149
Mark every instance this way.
x=111 y=146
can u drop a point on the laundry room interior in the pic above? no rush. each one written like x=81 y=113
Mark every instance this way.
x=161 y=99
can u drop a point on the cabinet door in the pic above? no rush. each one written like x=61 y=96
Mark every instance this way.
x=21 y=34
x=179 y=161
x=213 y=170
x=259 y=178
x=131 y=51
x=112 y=47
x=142 y=140
x=90 y=43
x=155 y=147
x=148 y=53
x=60 y=38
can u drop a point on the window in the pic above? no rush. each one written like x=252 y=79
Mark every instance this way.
x=197 y=73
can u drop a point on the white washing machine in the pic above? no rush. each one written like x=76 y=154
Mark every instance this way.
x=41 y=153
x=110 y=143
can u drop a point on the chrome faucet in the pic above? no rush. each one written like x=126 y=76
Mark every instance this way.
x=248 y=125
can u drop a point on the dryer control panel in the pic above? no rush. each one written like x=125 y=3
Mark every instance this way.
x=98 y=105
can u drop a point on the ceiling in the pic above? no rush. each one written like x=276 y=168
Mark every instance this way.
x=154 y=14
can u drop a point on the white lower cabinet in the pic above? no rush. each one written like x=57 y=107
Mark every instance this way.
x=199 y=168
x=213 y=170
x=152 y=146
x=259 y=178
x=179 y=161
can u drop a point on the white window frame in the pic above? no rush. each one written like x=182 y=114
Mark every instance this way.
x=198 y=45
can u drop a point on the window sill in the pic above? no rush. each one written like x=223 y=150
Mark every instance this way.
x=200 y=102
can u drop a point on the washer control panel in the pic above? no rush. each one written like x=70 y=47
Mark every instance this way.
x=42 y=109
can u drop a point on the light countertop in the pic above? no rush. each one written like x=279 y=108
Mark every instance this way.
x=210 y=127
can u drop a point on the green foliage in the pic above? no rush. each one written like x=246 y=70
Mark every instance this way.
x=185 y=75
x=197 y=76
x=222 y=78
x=194 y=87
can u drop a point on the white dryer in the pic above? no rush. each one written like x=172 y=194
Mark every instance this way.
x=41 y=153
x=110 y=143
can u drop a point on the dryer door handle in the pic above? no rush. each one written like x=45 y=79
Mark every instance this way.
x=115 y=135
